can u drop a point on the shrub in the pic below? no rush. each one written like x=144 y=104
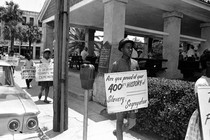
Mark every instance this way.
x=171 y=104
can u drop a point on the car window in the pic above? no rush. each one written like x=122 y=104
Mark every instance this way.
x=6 y=78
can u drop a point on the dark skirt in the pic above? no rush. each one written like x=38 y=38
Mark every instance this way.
x=45 y=83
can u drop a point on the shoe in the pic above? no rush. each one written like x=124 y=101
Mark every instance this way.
x=46 y=101
x=40 y=96
x=115 y=132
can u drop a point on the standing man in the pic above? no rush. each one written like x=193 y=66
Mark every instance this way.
x=125 y=63
x=84 y=53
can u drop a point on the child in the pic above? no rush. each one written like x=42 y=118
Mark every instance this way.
x=28 y=63
x=125 y=63
x=45 y=85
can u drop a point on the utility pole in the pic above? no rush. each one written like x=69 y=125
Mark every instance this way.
x=60 y=96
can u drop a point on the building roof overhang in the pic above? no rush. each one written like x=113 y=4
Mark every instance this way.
x=145 y=16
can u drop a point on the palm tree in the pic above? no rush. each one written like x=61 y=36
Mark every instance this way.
x=21 y=35
x=32 y=34
x=77 y=39
x=11 y=15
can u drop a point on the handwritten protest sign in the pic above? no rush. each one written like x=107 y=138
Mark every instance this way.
x=204 y=110
x=44 y=72
x=13 y=61
x=126 y=91
x=28 y=72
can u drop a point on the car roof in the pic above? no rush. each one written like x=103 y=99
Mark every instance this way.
x=4 y=63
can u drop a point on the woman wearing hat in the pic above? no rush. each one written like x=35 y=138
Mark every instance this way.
x=45 y=85
x=125 y=63
x=194 y=130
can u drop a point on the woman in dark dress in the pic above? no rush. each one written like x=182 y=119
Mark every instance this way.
x=45 y=85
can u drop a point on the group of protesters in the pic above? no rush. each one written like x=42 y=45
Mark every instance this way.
x=46 y=59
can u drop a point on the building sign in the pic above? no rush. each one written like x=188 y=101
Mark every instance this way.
x=13 y=61
x=44 y=72
x=104 y=58
x=204 y=110
x=126 y=91
x=28 y=72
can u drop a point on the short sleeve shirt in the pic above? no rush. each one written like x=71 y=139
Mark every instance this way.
x=124 y=65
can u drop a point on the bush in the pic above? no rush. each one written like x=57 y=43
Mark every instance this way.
x=171 y=104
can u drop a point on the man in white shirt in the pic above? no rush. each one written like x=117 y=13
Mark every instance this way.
x=84 y=53
x=191 y=52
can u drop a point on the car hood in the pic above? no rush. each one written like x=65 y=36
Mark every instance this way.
x=13 y=100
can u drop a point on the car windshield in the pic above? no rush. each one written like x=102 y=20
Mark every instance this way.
x=6 y=77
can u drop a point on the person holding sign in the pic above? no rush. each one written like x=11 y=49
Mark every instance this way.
x=125 y=63
x=28 y=63
x=45 y=85
x=194 y=126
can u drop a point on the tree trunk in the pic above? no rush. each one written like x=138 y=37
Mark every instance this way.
x=29 y=47
x=12 y=43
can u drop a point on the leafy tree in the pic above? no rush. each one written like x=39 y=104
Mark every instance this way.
x=21 y=34
x=77 y=39
x=32 y=34
x=11 y=16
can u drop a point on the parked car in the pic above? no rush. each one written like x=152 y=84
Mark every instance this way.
x=18 y=112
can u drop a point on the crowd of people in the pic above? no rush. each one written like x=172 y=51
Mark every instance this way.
x=191 y=54
x=46 y=59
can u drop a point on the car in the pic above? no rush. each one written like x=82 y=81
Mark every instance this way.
x=18 y=112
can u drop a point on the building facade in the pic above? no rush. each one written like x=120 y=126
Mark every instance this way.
x=22 y=47
x=171 y=21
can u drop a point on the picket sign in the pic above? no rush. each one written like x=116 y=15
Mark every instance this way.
x=28 y=72
x=126 y=91
x=44 y=72
x=13 y=61
x=204 y=110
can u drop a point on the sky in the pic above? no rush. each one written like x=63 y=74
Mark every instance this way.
x=29 y=5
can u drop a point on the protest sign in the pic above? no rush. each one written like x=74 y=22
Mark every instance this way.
x=204 y=110
x=126 y=91
x=13 y=61
x=28 y=72
x=44 y=72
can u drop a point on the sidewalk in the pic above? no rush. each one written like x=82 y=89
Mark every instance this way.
x=99 y=127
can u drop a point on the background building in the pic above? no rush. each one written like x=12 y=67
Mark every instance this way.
x=22 y=47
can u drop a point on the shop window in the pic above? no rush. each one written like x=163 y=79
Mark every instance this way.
x=31 y=21
x=24 y=21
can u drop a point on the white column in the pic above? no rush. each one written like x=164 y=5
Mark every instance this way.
x=172 y=25
x=205 y=34
x=114 y=25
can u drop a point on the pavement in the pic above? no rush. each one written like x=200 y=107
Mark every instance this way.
x=100 y=126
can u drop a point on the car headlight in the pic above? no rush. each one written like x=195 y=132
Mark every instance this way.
x=31 y=123
x=14 y=125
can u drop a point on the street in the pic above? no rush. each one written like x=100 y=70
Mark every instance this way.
x=99 y=127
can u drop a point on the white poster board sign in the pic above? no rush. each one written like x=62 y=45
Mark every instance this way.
x=13 y=61
x=44 y=72
x=28 y=72
x=204 y=110
x=126 y=91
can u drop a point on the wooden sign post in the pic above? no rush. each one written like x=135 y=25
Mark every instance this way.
x=60 y=83
x=104 y=58
x=204 y=110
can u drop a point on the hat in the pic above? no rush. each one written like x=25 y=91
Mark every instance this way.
x=47 y=50
x=123 y=42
